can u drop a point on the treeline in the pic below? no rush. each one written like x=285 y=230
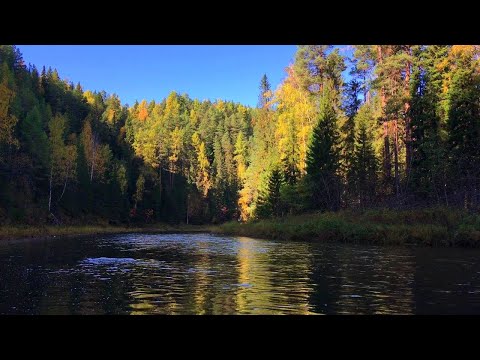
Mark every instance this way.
x=402 y=131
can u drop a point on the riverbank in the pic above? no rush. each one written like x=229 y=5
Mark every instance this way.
x=438 y=227
x=44 y=232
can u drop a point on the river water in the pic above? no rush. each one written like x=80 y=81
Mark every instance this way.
x=209 y=274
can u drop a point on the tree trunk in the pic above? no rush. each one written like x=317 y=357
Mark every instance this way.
x=50 y=190
x=187 y=209
x=408 y=128
x=366 y=92
x=94 y=145
x=387 y=164
x=63 y=192
x=160 y=200
x=395 y=157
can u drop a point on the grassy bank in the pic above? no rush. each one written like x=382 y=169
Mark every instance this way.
x=20 y=232
x=426 y=227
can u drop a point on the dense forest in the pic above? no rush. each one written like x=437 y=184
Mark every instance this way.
x=401 y=130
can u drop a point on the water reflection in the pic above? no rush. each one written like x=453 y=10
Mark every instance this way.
x=375 y=281
x=204 y=274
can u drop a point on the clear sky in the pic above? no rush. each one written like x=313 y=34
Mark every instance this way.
x=151 y=72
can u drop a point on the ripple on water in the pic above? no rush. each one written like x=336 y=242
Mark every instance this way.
x=205 y=274
x=107 y=261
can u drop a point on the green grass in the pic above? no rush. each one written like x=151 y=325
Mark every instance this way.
x=16 y=232
x=426 y=227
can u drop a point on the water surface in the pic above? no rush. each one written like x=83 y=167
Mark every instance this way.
x=207 y=274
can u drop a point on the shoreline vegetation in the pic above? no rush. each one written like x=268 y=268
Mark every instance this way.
x=19 y=232
x=433 y=227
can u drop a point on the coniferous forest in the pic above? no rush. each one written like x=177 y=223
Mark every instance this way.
x=402 y=132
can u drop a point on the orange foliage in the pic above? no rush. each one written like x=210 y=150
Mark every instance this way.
x=143 y=114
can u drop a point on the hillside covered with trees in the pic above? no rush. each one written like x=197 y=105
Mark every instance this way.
x=401 y=131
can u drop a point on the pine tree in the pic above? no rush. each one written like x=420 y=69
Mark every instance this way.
x=316 y=64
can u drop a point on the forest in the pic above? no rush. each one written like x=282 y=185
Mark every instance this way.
x=401 y=131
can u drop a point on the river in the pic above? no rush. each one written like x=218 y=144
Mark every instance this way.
x=210 y=274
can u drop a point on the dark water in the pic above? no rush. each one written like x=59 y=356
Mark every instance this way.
x=205 y=274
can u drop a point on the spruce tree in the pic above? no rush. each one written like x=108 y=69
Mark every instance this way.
x=291 y=159
x=270 y=203
x=323 y=157
x=265 y=95
x=424 y=182
x=464 y=131
x=351 y=106
x=363 y=172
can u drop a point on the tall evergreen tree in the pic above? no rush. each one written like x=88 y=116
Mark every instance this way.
x=265 y=95
x=323 y=157
x=464 y=129
x=270 y=203
x=351 y=105
x=363 y=171
x=425 y=180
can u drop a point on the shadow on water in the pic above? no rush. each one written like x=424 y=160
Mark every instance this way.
x=206 y=274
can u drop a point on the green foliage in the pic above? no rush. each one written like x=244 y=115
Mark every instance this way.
x=34 y=137
x=323 y=158
x=427 y=180
x=430 y=227
x=464 y=131
x=317 y=64
x=265 y=92
x=315 y=143
x=270 y=202
x=362 y=173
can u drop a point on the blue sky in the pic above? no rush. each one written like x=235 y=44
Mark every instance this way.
x=152 y=72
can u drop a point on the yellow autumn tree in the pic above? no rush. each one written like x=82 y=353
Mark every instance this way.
x=172 y=106
x=98 y=156
x=7 y=120
x=202 y=166
x=240 y=156
x=294 y=103
x=143 y=111
x=175 y=148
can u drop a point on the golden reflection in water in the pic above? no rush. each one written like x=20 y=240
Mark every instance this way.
x=244 y=268
x=254 y=288
x=143 y=304
x=259 y=287
x=201 y=282
x=294 y=270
